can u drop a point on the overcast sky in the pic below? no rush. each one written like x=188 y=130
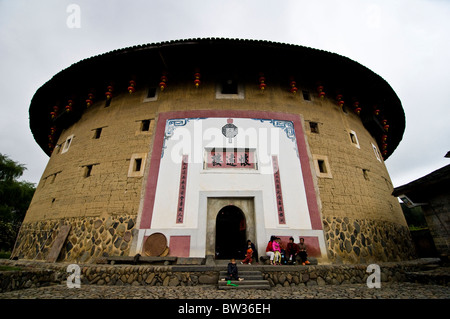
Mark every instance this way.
x=406 y=42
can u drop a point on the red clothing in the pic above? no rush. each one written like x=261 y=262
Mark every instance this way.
x=269 y=247
x=292 y=249
x=248 y=257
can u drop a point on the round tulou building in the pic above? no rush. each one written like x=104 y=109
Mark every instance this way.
x=197 y=145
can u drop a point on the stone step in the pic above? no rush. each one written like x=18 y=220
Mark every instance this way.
x=252 y=280
x=261 y=287
x=248 y=275
x=244 y=284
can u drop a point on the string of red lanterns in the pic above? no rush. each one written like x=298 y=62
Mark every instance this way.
x=197 y=81
x=357 y=108
x=294 y=88
x=321 y=92
x=90 y=99
x=262 y=82
x=340 y=100
x=69 y=106
x=131 y=87
x=109 y=91
x=163 y=82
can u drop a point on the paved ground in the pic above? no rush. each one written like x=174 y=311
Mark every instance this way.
x=394 y=290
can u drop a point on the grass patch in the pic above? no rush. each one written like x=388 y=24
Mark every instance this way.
x=9 y=268
x=5 y=254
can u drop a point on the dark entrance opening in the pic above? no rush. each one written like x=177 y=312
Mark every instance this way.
x=230 y=233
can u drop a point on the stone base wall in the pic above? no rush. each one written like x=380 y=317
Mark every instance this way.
x=89 y=238
x=122 y=275
x=366 y=241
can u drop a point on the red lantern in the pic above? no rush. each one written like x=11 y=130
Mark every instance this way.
x=89 y=99
x=197 y=81
x=376 y=112
x=320 y=89
x=109 y=92
x=293 y=89
x=357 y=108
x=163 y=84
x=386 y=127
x=262 y=84
x=53 y=115
x=322 y=95
x=131 y=88
x=52 y=129
x=55 y=109
x=384 y=138
x=69 y=106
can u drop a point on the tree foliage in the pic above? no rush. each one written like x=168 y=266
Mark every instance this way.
x=15 y=197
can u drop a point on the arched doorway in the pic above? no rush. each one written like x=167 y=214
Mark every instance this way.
x=230 y=233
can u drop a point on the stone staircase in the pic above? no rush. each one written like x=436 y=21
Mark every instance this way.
x=252 y=280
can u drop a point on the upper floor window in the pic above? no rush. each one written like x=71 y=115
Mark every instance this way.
x=229 y=89
x=67 y=144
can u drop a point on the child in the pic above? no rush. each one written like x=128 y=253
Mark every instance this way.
x=232 y=271
x=248 y=257
x=303 y=255
x=277 y=251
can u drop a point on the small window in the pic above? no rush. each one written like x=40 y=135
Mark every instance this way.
x=322 y=166
x=354 y=138
x=306 y=95
x=97 y=133
x=377 y=153
x=152 y=94
x=67 y=144
x=137 y=164
x=229 y=87
x=87 y=170
x=145 y=125
x=366 y=174
x=314 y=126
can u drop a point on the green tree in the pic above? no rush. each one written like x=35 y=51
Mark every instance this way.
x=15 y=197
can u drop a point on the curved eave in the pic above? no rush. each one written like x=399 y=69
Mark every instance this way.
x=179 y=58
